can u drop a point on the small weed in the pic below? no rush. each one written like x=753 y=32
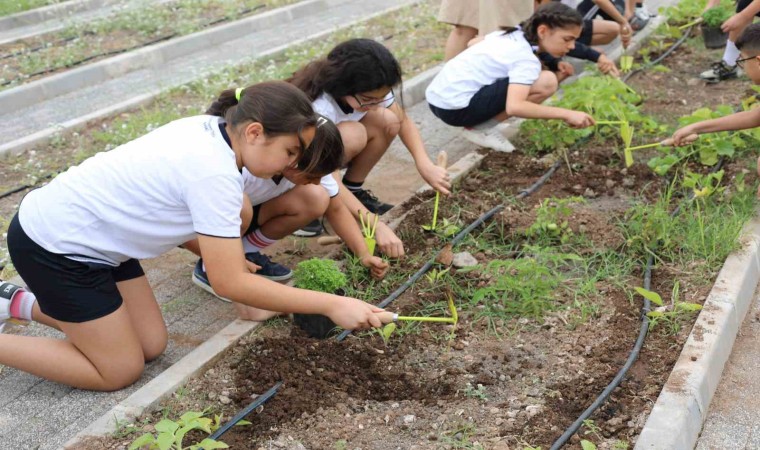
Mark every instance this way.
x=461 y=437
x=478 y=392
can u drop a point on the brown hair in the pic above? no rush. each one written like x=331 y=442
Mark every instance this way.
x=283 y=109
x=553 y=15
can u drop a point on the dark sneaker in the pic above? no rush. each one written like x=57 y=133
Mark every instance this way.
x=313 y=228
x=638 y=22
x=269 y=269
x=201 y=280
x=371 y=202
x=719 y=71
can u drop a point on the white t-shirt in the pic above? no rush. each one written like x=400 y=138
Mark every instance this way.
x=260 y=190
x=326 y=105
x=142 y=198
x=498 y=56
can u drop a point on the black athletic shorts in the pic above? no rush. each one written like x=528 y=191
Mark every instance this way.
x=587 y=32
x=742 y=4
x=487 y=103
x=68 y=290
x=254 y=220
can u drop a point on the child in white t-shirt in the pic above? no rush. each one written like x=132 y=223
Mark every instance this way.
x=76 y=241
x=501 y=77
x=353 y=87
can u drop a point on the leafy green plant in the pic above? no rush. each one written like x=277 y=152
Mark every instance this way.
x=447 y=229
x=434 y=276
x=714 y=17
x=551 y=223
x=171 y=434
x=318 y=274
x=671 y=314
x=478 y=392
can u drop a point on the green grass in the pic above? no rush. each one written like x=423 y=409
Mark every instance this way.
x=17 y=6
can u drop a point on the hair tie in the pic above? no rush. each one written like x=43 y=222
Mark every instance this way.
x=321 y=120
x=238 y=91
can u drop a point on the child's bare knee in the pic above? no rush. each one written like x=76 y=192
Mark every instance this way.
x=546 y=85
x=126 y=374
x=354 y=137
x=314 y=200
x=155 y=348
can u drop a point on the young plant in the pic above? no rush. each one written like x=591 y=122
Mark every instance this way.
x=671 y=314
x=434 y=276
x=448 y=229
x=551 y=220
x=170 y=434
x=714 y=17
x=368 y=230
x=321 y=275
x=476 y=392
x=703 y=186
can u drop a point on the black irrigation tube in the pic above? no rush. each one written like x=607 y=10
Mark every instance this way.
x=260 y=400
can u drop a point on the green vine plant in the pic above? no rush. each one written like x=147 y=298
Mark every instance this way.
x=551 y=223
x=671 y=314
x=170 y=434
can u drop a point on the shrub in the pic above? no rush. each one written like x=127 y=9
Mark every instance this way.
x=714 y=17
x=319 y=275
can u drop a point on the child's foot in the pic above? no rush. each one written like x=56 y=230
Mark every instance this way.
x=269 y=269
x=313 y=228
x=7 y=292
x=368 y=199
x=719 y=71
x=490 y=135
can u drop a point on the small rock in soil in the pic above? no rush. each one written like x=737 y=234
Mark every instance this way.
x=610 y=184
x=628 y=182
x=589 y=193
x=464 y=259
x=224 y=400
x=532 y=410
x=409 y=418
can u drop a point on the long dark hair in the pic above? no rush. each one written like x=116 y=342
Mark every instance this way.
x=352 y=67
x=283 y=109
x=553 y=15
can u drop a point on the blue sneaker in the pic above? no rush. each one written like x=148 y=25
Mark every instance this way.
x=269 y=269
x=201 y=280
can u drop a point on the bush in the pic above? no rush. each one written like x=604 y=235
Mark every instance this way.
x=320 y=275
x=714 y=17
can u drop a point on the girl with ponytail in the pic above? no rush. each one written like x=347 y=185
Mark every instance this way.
x=502 y=77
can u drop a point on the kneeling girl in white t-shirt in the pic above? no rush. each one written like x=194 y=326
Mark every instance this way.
x=501 y=76
x=76 y=242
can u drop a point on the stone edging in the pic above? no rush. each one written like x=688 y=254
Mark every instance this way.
x=681 y=409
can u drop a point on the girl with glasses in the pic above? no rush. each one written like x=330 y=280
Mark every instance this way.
x=354 y=87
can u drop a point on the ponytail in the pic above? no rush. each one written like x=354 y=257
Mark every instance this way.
x=553 y=15
x=283 y=109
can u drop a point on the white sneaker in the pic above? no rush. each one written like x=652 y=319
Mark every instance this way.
x=489 y=134
x=7 y=291
x=643 y=13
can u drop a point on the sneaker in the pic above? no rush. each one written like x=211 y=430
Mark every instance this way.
x=368 y=199
x=720 y=71
x=7 y=292
x=313 y=228
x=643 y=13
x=489 y=134
x=638 y=22
x=201 y=280
x=269 y=269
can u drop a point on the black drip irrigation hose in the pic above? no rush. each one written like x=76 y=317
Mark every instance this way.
x=665 y=54
x=260 y=400
x=458 y=238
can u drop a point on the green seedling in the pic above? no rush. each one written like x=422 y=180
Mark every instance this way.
x=435 y=275
x=368 y=230
x=387 y=331
x=441 y=162
x=170 y=434
x=668 y=313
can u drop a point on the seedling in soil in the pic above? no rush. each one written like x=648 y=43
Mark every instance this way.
x=368 y=230
x=670 y=314
x=441 y=162
x=170 y=434
x=435 y=275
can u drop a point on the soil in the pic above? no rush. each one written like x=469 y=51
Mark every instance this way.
x=495 y=384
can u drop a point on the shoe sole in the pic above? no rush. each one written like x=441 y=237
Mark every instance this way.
x=198 y=282
x=303 y=233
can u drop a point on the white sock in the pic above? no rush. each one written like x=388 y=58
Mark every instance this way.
x=730 y=54
x=256 y=241
x=22 y=304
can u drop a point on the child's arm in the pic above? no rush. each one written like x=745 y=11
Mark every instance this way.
x=345 y=226
x=732 y=122
x=625 y=28
x=436 y=177
x=387 y=240
x=605 y=65
x=225 y=265
x=518 y=105
x=741 y=19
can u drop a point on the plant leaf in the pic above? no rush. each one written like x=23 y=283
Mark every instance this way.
x=653 y=297
x=210 y=444
x=145 y=439
x=388 y=330
x=588 y=445
x=167 y=426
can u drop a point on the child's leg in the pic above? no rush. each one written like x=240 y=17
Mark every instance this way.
x=458 y=39
x=282 y=215
x=604 y=32
x=145 y=316
x=382 y=126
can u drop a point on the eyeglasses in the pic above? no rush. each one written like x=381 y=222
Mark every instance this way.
x=374 y=103
x=740 y=62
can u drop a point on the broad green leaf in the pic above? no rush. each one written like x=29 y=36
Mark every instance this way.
x=689 y=306
x=210 y=444
x=165 y=441
x=388 y=331
x=145 y=439
x=190 y=415
x=653 y=297
x=588 y=445
x=167 y=426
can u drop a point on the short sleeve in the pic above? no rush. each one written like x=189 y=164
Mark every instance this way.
x=525 y=71
x=331 y=186
x=215 y=203
x=325 y=107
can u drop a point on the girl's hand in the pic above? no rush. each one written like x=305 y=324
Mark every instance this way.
x=626 y=32
x=607 y=66
x=388 y=242
x=377 y=267
x=577 y=119
x=436 y=177
x=735 y=23
x=680 y=135
x=566 y=69
x=352 y=314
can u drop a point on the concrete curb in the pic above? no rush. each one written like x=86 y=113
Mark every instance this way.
x=41 y=137
x=151 y=56
x=681 y=409
x=165 y=384
x=38 y=15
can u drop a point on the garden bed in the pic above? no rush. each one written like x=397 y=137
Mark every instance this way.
x=546 y=318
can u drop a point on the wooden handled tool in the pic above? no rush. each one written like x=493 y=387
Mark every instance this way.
x=386 y=316
x=442 y=159
x=329 y=240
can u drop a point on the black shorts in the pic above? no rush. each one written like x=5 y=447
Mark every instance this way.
x=586 y=6
x=487 y=103
x=68 y=290
x=254 y=220
x=742 y=4
x=587 y=32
